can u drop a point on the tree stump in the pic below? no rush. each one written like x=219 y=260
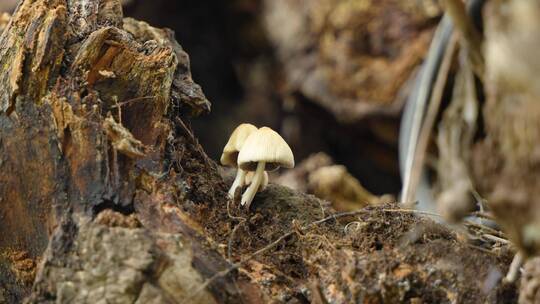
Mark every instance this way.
x=94 y=140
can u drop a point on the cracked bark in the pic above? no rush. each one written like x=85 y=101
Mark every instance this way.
x=94 y=140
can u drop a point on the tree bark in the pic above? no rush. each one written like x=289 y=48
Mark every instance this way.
x=92 y=143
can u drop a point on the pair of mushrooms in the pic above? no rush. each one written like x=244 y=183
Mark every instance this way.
x=254 y=151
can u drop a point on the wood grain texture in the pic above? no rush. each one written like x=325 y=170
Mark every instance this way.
x=90 y=115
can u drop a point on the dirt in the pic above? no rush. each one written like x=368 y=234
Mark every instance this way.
x=381 y=255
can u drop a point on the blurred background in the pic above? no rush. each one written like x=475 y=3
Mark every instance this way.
x=330 y=75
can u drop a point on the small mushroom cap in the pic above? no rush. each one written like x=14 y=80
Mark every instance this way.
x=265 y=145
x=229 y=157
x=264 y=183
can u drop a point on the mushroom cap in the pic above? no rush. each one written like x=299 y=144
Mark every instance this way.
x=265 y=145
x=264 y=182
x=229 y=156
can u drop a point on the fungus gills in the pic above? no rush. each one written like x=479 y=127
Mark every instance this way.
x=229 y=157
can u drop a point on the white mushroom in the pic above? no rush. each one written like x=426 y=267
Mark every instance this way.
x=263 y=150
x=264 y=182
x=229 y=157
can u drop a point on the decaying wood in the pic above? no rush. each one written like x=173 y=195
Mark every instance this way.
x=89 y=110
x=530 y=284
x=353 y=58
x=319 y=175
x=506 y=162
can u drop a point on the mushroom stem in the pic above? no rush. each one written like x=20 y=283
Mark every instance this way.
x=239 y=181
x=248 y=196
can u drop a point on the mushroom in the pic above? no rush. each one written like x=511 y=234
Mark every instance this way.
x=229 y=157
x=263 y=150
x=264 y=182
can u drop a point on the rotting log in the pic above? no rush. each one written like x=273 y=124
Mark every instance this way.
x=506 y=160
x=93 y=118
